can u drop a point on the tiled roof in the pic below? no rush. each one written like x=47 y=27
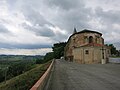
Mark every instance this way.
x=84 y=31
x=88 y=31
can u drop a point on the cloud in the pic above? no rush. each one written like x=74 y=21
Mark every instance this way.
x=39 y=51
x=65 y=4
x=44 y=22
x=34 y=17
x=109 y=21
x=37 y=22
x=44 y=31
x=110 y=16
x=24 y=46
x=3 y=29
x=68 y=14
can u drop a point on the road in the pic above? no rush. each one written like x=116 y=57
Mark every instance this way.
x=74 y=76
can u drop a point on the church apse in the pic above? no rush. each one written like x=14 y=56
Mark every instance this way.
x=85 y=47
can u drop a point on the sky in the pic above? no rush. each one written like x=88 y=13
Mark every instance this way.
x=31 y=27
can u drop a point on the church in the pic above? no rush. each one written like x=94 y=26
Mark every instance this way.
x=86 y=47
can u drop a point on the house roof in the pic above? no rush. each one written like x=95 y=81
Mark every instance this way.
x=88 y=31
x=84 y=31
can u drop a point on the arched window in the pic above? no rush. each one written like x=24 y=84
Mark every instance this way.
x=85 y=39
x=90 y=39
x=95 y=40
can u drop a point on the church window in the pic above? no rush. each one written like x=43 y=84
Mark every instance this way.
x=86 y=52
x=85 y=39
x=90 y=39
x=73 y=39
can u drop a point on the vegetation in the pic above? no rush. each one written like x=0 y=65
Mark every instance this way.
x=58 y=49
x=49 y=56
x=114 y=51
x=21 y=72
x=25 y=81
x=12 y=65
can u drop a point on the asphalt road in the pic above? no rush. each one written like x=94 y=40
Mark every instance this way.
x=73 y=76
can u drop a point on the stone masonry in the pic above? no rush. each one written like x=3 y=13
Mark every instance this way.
x=86 y=47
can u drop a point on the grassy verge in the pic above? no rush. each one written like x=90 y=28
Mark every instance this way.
x=25 y=81
x=115 y=57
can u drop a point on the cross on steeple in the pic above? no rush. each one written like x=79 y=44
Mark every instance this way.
x=75 y=31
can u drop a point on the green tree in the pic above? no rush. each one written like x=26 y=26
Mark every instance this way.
x=58 y=49
x=2 y=76
x=48 y=56
x=118 y=53
x=113 y=49
x=39 y=61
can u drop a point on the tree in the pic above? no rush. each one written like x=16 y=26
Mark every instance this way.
x=113 y=49
x=39 y=61
x=118 y=53
x=58 y=49
x=48 y=56
x=2 y=76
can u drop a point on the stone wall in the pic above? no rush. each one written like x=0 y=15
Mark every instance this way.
x=81 y=39
x=89 y=55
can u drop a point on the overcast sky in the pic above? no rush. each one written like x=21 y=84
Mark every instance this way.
x=32 y=26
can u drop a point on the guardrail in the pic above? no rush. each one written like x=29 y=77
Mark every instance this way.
x=39 y=85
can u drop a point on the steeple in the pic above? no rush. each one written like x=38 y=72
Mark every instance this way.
x=75 y=31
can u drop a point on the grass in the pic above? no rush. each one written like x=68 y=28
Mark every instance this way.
x=115 y=57
x=25 y=81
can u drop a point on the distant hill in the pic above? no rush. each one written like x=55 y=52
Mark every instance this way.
x=20 y=57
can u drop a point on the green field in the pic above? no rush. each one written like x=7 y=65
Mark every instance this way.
x=26 y=80
x=14 y=65
x=21 y=72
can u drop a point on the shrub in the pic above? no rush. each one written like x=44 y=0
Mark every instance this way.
x=39 y=61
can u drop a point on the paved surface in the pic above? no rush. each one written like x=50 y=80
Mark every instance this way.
x=114 y=60
x=73 y=76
